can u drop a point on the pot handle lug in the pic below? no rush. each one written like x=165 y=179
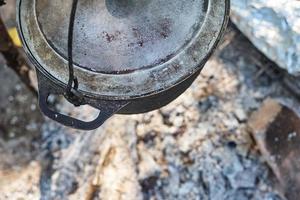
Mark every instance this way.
x=106 y=108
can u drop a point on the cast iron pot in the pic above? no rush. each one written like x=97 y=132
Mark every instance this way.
x=130 y=56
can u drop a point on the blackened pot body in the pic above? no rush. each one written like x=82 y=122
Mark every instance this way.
x=159 y=100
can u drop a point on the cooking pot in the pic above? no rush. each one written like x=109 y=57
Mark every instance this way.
x=128 y=56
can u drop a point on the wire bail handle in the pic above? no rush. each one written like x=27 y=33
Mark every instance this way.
x=71 y=93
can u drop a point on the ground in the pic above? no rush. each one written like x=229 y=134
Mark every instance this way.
x=197 y=147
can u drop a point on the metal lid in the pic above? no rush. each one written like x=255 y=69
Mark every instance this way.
x=123 y=48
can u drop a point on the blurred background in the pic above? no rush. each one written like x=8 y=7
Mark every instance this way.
x=233 y=135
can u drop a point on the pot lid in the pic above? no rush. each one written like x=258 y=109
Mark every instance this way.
x=122 y=48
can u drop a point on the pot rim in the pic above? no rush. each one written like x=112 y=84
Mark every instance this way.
x=138 y=84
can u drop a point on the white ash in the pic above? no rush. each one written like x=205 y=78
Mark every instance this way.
x=195 y=148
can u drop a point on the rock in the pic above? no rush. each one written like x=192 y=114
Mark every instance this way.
x=276 y=129
x=273 y=27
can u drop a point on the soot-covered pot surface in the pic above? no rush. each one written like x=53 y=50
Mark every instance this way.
x=129 y=56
